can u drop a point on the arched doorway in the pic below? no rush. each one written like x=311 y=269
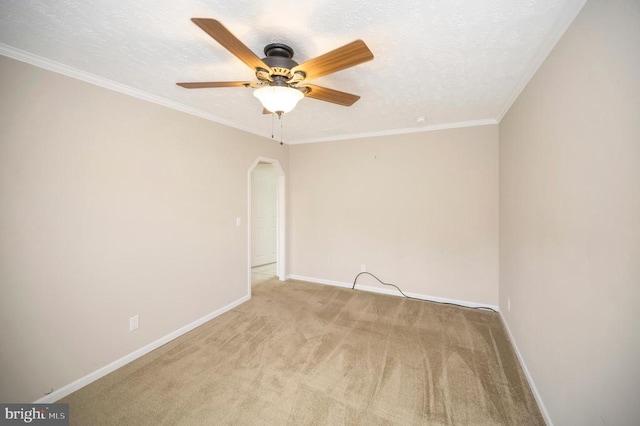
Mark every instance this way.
x=266 y=218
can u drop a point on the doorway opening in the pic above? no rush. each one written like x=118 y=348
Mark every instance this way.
x=266 y=223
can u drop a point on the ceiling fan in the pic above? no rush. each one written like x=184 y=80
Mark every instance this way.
x=281 y=80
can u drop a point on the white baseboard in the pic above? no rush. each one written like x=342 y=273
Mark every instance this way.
x=101 y=372
x=532 y=385
x=393 y=292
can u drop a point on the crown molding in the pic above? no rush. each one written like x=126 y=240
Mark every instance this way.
x=57 y=67
x=445 y=126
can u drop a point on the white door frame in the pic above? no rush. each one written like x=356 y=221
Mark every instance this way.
x=281 y=220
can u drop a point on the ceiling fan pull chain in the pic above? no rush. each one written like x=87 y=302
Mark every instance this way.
x=271 y=126
x=281 y=134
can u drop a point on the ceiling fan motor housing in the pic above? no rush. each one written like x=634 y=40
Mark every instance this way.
x=279 y=59
x=278 y=49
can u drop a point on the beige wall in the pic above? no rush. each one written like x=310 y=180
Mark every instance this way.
x=570 y=220
x=419 y=210
x=110 y=207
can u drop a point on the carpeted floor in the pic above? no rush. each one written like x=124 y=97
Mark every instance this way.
x=308 y=354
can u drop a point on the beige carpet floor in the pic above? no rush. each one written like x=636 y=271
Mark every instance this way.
x=308 y=354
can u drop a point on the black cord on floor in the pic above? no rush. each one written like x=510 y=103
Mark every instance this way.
x=416 y=298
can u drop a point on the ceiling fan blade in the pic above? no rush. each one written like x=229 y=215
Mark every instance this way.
x=208 y=84
x=266 y=111
x=223 y=36
x=330 y=95
x=343 y=57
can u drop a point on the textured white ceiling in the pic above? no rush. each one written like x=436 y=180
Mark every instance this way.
x=454 y=62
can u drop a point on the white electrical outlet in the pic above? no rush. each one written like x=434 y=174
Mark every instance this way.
x=363 y=268
x=133 y=323
x=508 y=304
